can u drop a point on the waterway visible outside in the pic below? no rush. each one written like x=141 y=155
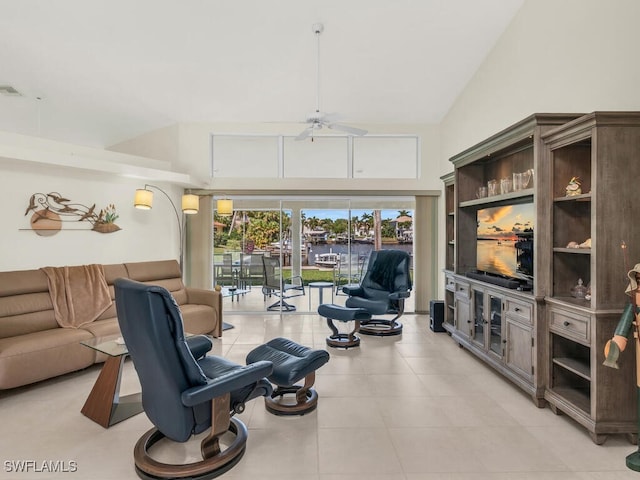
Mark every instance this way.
x=359 y=249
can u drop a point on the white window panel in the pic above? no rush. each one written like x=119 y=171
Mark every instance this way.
x=325 y=157
x=385 y=157
x=236 y=155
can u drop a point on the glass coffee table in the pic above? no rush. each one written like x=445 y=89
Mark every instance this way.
x=104 y=404
x=233 y=292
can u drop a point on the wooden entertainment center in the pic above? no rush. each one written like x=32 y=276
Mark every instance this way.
x=539 y=335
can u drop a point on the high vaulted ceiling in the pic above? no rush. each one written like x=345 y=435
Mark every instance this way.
x=96 y=72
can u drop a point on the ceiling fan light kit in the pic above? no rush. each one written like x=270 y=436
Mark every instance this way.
x=319 y=119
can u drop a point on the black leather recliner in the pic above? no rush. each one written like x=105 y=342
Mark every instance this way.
x=184 y=392
x=382 y=291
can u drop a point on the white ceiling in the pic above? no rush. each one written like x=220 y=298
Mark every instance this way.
x=109 y=70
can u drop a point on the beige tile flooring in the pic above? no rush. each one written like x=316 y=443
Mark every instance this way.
x=412 y=407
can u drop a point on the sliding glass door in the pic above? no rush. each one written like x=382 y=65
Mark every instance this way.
x=289 y=255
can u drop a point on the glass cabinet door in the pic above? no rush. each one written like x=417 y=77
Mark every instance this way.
x=479 y=321
x=495 y=324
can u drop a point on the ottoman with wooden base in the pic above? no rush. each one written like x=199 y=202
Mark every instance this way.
x=343 y=314
x=292 y=362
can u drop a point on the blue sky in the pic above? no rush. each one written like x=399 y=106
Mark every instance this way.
x=342 y=213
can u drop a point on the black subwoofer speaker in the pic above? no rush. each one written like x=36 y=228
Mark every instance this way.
x=436 y=315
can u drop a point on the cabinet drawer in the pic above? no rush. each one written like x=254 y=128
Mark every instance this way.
x=522 y=310
x=462 y=290
x=451 y=284
x=570 y=325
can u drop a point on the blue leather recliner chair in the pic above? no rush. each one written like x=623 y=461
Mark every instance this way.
x=382 y=291
x=184 y=392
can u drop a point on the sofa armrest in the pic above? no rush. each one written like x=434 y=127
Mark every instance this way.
x=201 y=296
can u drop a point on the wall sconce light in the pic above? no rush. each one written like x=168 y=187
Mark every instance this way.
x=190 y=203
x=224 y=207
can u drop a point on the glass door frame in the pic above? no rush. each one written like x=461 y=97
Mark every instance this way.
x=296 y=205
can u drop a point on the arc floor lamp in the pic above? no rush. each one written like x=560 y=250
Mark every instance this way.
x=190 y=205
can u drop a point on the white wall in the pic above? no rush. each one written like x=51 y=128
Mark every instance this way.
x=145 y=235
x=556 y=56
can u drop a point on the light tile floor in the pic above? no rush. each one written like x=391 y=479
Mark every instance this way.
x=412 y=407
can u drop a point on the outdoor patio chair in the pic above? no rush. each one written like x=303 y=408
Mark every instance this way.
x=252 y=271
x=225 y=274
x=349 y=271
x=274 y=284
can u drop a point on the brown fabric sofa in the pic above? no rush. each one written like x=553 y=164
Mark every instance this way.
x=33 y=347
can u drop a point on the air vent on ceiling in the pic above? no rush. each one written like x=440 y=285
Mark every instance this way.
x=9 y=91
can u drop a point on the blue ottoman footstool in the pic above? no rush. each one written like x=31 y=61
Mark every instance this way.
x=343 y=314
x=292 y=362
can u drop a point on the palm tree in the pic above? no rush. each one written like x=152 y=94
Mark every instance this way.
x=367 y=221
x=355 y=223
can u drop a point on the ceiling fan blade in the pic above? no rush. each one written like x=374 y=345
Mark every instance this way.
x=333 y=117
x=347 y=129
x=305 y=133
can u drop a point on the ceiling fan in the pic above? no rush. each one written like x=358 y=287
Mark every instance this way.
x=317 y=120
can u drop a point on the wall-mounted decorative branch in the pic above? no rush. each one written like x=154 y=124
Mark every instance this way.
x=51 y=209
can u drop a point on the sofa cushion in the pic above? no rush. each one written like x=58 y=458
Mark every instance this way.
x=165 y=273
x=103 y=328
x=36 y=356
x=111 y=272
x=22 y=281
x=25 y=303
x=198 y=319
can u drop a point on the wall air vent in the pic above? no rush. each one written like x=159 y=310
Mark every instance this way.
x=9 y=91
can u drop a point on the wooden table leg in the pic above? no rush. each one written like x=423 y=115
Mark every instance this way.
x=103 y=405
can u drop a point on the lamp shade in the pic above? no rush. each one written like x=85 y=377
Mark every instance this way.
x=143 y=199
x=224 y=206
x=190 y=203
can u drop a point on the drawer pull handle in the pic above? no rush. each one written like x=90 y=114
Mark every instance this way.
x=517 y=309
x=566 y=324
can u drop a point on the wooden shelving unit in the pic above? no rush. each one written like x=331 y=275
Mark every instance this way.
x=553 y=341
x=601 y=149
x=505 y=328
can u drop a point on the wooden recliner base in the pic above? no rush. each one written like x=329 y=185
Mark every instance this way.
x=211 y=467
x=381 y=327
x=215 y=461
x=306 y=398
x=343 y=340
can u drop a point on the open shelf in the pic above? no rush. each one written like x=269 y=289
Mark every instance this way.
x=573 y=251
x=575 y=366
x=578 y=398
x=494 y=199
x=583 y=197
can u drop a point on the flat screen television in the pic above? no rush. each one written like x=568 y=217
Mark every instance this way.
x=504 y=246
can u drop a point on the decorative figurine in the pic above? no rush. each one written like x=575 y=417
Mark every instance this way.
x=579 y=290
x=612 y=349
x=573 y=188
